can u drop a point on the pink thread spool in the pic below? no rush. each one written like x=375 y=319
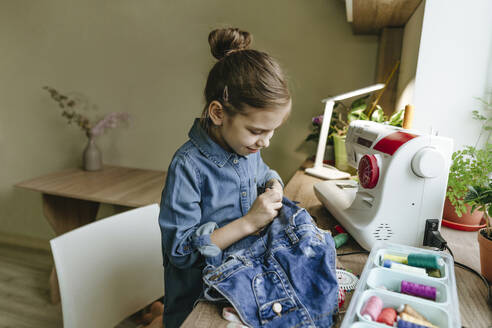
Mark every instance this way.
x=372 y=308
x=387 y=316
x=419 y=290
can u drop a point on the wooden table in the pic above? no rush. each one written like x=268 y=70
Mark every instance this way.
x=471 y=290
x=71 y=197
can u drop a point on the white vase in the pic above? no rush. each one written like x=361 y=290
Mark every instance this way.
x=92 y=157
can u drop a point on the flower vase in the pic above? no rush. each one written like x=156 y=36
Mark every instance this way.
x=92 y=157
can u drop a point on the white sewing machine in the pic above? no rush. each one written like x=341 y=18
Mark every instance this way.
x=403 y=176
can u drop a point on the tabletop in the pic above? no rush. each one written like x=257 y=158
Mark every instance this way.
x=471 y=291
x=132 y=187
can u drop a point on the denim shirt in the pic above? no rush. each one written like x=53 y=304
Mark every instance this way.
x=206 y=188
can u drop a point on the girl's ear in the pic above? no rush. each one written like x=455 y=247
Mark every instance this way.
x=216 y=112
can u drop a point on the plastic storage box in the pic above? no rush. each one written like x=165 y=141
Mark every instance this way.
x=383 y=282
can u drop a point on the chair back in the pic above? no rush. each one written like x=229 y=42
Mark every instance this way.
x=110 y=268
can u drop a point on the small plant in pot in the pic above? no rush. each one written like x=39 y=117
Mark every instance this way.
x=480 y=198
x=470 y=166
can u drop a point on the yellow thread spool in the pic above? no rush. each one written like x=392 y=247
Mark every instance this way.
x=395 y=258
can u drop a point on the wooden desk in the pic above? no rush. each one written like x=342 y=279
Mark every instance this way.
x=71 y=197
x=471 y=291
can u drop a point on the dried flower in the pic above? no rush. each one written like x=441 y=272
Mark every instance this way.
x=108 y=122
x=71 y=106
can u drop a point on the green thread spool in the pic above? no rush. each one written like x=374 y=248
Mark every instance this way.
x=428 y=261
x=436 y=273
x=340 y=239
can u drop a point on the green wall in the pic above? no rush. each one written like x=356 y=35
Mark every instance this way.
x=151 y=59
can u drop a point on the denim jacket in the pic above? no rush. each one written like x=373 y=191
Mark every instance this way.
x=206 y=188
x=284 y=279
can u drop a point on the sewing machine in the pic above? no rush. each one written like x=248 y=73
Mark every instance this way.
x=403 y=176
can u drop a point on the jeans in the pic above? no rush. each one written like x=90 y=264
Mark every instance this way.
x=286 y=278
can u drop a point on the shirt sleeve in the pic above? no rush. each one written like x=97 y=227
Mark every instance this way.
x=184 y=237
x=265 y=173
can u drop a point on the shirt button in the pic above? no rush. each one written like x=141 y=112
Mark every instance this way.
x=235 y=161
x=244 y=193
x=277 y=308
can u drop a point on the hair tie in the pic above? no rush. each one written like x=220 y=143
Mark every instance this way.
x=225 y=94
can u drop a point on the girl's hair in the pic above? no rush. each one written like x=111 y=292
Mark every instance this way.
x=242 y=76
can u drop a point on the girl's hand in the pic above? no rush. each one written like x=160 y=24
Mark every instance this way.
x=264 y=209
x=275 y=185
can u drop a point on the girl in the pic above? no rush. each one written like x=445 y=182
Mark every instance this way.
x=210 y=198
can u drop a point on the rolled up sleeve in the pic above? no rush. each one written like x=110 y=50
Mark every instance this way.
x=184 y=238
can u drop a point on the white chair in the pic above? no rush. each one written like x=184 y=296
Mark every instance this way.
x=109 y=269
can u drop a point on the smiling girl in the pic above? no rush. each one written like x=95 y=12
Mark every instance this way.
x=210 y=204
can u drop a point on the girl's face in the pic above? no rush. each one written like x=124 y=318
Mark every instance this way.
x=250 y=131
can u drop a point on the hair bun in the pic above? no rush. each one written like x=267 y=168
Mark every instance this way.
x=224 y=40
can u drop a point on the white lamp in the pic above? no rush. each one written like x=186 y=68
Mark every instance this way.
x=328 y=172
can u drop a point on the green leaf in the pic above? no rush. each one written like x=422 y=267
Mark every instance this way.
x=378 y=115
x=359 y=102
x=397 y=118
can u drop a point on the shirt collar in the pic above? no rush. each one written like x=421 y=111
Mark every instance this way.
x=207 y=146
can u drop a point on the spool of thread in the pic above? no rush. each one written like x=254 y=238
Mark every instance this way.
x=436 y=273
x=341 y=297
x=407 y=324
x=428 y=261
x=387 y=316
x=409 y=318
x=404 y=268
x=395 y=258
x=419 y=290
x=340 y=239
x=405 y=308
x=408 y=117
x=340 y=229
x=372 y=308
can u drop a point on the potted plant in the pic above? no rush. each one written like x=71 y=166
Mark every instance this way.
x=480 y=198
x=471 y=166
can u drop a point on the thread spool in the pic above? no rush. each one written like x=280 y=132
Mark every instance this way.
x=408 y=117
x=340 y=239
x=436 y=273
x=405 y=308
x=387 y=316
x=419 y=290
x=372 y=308
x=404 y=268
x=395 y=258
x=409 y=318
x=407 y=324
x=428 y=261
x=340 y=229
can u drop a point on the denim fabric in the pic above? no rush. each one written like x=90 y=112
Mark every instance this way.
x=292 y=264
x=206 y=188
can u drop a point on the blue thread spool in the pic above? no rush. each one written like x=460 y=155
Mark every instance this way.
x=407 y=324
x=405 y=268
x=428 y=261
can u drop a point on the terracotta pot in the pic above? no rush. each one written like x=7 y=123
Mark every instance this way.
x=485 y=246
x=466 y=218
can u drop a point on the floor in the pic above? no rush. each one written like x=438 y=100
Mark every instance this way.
x=24 y=293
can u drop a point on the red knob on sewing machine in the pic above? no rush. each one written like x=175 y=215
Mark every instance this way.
x=368 y=171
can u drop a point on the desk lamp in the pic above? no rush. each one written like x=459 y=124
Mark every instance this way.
x=328 y=172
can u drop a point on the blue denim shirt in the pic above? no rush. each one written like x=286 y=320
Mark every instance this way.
x=206 y=187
